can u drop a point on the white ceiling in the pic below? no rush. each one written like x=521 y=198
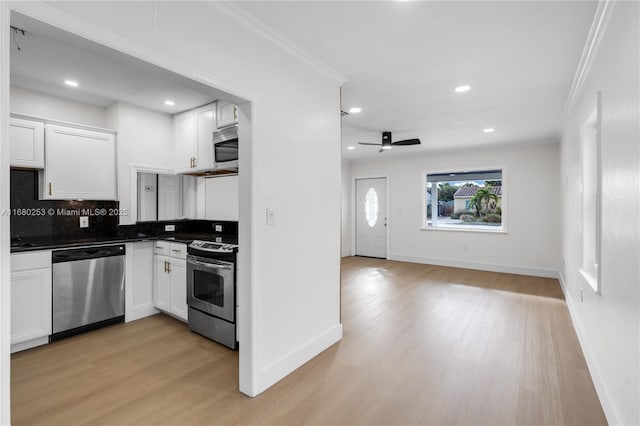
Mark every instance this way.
x=403 y=60
x=49 y=56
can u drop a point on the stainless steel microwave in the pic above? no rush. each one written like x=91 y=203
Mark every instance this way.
x=225 y=147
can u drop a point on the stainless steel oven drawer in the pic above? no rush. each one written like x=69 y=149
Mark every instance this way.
x=214 y=328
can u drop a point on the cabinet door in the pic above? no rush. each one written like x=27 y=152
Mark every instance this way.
x=30 y=305
x=185 y=135
x=227 y=114
x=178 y=288
x=26 y=139
x=161 y=283
x=79 y=164
x=204 y=134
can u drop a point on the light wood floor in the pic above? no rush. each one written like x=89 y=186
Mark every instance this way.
x=422 y=345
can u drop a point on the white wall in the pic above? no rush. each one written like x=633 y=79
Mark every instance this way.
x=29 y=102
x=608 y=324
x=145 y=138
x=293 y=291
x=346 y=209
x=221 y=198
x=532 y=212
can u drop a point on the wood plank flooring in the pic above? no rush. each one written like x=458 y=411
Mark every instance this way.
x=422 y=345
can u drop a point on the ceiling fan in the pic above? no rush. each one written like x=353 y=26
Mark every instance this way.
x=387 y=144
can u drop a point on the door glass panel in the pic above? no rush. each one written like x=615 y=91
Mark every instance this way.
x=209 y=288
x=371 y=207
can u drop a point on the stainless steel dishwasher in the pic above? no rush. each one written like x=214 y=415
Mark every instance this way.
x=88 y=289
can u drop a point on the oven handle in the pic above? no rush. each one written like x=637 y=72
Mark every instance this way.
x=210 y=265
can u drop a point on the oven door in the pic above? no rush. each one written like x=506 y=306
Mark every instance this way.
x=210 y=286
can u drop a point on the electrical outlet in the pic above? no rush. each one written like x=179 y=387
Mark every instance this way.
x=84 y=221
x=218 y=228
x=169 y=228
x=271 y=216
x=218 y=239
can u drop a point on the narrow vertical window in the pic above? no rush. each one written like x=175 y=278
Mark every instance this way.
x=371 y=207
x=590 y=159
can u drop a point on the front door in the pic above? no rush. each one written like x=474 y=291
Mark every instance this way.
x=371 y=217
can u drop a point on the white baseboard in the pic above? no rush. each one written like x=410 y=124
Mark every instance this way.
x=291 y=361
x=346 y=253
x=601 y=389
x=140 y=311
x=17 y=347
x=508 y=269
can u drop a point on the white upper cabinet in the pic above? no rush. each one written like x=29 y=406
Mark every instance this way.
x=193 y=138
x=185 y=134
x=26 y=139
x=79 y=164
x=227 y=114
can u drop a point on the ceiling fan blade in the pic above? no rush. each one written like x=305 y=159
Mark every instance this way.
x=367 y=143
x=407 y=142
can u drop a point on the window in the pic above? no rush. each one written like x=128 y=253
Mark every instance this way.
x=465 y=200
x=371 y=207
x=589 y=143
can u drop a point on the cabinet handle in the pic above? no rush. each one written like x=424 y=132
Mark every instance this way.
x=195 y=162
x=235 y=112
x=165 y=266
x=49 y=188
x=176 y=250
x=169 y=267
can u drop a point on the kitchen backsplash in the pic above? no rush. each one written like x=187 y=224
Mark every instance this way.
x=34 y=218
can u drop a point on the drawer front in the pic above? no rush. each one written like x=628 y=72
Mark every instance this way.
x=178 y=250
x=163 y=247
x=30 y=260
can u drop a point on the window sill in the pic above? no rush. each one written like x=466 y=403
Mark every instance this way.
x=487 y=230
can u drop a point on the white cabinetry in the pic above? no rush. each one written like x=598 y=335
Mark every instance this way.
x=26 y=142
x=79 y=164
x=139 y=280
x=170 y=279
x=193 y=138
x=227 y=114
x=30 y=299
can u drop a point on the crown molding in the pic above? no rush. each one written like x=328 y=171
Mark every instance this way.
x=598 y=27
x=260 y=28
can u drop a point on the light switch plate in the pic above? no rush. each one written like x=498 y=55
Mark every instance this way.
x=168 y=228
x=218 y=228
x=84 y=221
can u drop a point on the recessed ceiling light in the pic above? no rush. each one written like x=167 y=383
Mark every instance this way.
x=489 y=130
x=354 y=110
x=351 y=147
x=71 y=83
x=462 y=89
x=169 y=102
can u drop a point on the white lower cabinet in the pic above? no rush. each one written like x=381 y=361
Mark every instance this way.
x=139 y=280
x=30 y=299
x=170 y=279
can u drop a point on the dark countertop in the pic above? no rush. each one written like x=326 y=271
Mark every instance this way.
x=52 y=243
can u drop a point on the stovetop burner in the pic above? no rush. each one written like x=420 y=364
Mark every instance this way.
x=213 y=247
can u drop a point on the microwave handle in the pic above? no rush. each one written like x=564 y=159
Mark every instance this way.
x=210 y=265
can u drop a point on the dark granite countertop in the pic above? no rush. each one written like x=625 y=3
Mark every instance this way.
x=51 y=243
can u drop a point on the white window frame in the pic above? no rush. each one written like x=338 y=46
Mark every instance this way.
x=592 y=122
x=424 y=222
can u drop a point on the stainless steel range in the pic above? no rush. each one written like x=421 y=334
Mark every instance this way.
x=211 y=290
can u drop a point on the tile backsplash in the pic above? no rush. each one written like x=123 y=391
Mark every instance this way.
x=34 y=218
